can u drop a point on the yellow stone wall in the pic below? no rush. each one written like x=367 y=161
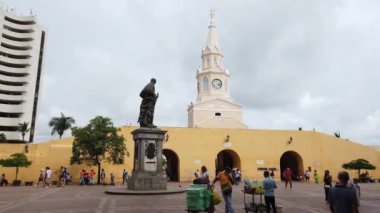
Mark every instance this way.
x=199 y=146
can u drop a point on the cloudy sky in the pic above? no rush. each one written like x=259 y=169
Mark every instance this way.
x=293 y=63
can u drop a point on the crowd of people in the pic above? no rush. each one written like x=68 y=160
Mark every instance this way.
x=343 y=197
x=64 y=177
x=88 y=178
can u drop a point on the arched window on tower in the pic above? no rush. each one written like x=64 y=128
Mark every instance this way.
x=208 y=62
x=215 y=60
x=205 y=83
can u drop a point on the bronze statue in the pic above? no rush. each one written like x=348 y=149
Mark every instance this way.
x=149 y=98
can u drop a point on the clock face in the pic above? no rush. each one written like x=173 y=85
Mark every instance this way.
x=216 y=83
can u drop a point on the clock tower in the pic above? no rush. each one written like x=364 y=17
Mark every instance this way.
x=214 y=107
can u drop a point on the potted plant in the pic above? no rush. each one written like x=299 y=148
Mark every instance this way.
x=16 y=160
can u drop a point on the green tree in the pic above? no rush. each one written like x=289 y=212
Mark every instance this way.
x=23 y=128
x=3 y=137
x=98 y=142
x=358 y=165
x=61 y=124
x=16 y=160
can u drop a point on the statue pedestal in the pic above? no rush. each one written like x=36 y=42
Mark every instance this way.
x=148 y=173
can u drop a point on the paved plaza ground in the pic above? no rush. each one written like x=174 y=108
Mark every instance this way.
x=73 y=198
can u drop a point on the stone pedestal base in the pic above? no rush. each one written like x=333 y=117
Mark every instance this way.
x=148 y=172
x=147 y=181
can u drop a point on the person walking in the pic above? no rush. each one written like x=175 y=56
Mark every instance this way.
x=125 y=176
x=226 y=182
x=288 y=177
x=47 y=176
x=81 y=177
x=316 y=178
x=301 y=176
x=327 y=179
x=237 y=177
x=41 y=178
x=62 y=175
x=355 y=185
x=112 y=177
x=92 y=174
x=341 y=198
x=102 y=177
x=269 y=185
x=307 y=176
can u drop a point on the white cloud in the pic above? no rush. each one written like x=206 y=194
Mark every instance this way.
x=310 y=64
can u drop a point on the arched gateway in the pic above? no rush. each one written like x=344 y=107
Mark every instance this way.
x=172 y=170
x=225 y=158
x=292 y=160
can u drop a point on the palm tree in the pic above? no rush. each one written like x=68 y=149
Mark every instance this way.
x=23 y=128
x=61 y=124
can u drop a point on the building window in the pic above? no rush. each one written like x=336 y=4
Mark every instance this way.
x=205 y=83
x=218 y=114
x=208 y=62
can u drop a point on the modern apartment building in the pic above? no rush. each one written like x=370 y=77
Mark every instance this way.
x=21 y=54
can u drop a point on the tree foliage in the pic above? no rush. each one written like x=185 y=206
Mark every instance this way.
x=23 y=128
x=337 y=134
x=358 y=165
x=97 y=142
x=16 y=160
x=61 y=124
x=3 y=137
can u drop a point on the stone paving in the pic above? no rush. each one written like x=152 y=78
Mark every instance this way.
x=303 y=198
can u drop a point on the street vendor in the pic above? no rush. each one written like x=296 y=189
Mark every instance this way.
x=226 y=182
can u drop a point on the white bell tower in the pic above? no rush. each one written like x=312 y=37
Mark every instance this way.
x=214 y=107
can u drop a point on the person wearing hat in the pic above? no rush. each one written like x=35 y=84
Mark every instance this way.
x=226 y=182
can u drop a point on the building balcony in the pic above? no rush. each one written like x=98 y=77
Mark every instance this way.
x=17 y=45
x=25 y=20
x=13 y=79
x=11 y=108
x=14 y=135
x=18 y=27
x=12 y=70
x=14 y=89
x=18 y=36
x=9 y=121
x=12 y=97
x=15 y=61
x=9 y=51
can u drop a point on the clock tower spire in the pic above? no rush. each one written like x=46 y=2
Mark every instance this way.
x=212 y=77
x=214 y=106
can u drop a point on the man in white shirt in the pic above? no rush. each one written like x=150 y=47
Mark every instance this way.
x=47 y=176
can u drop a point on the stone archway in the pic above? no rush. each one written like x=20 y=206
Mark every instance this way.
x=292 y=160
x=225 y=158
x=172 y=165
